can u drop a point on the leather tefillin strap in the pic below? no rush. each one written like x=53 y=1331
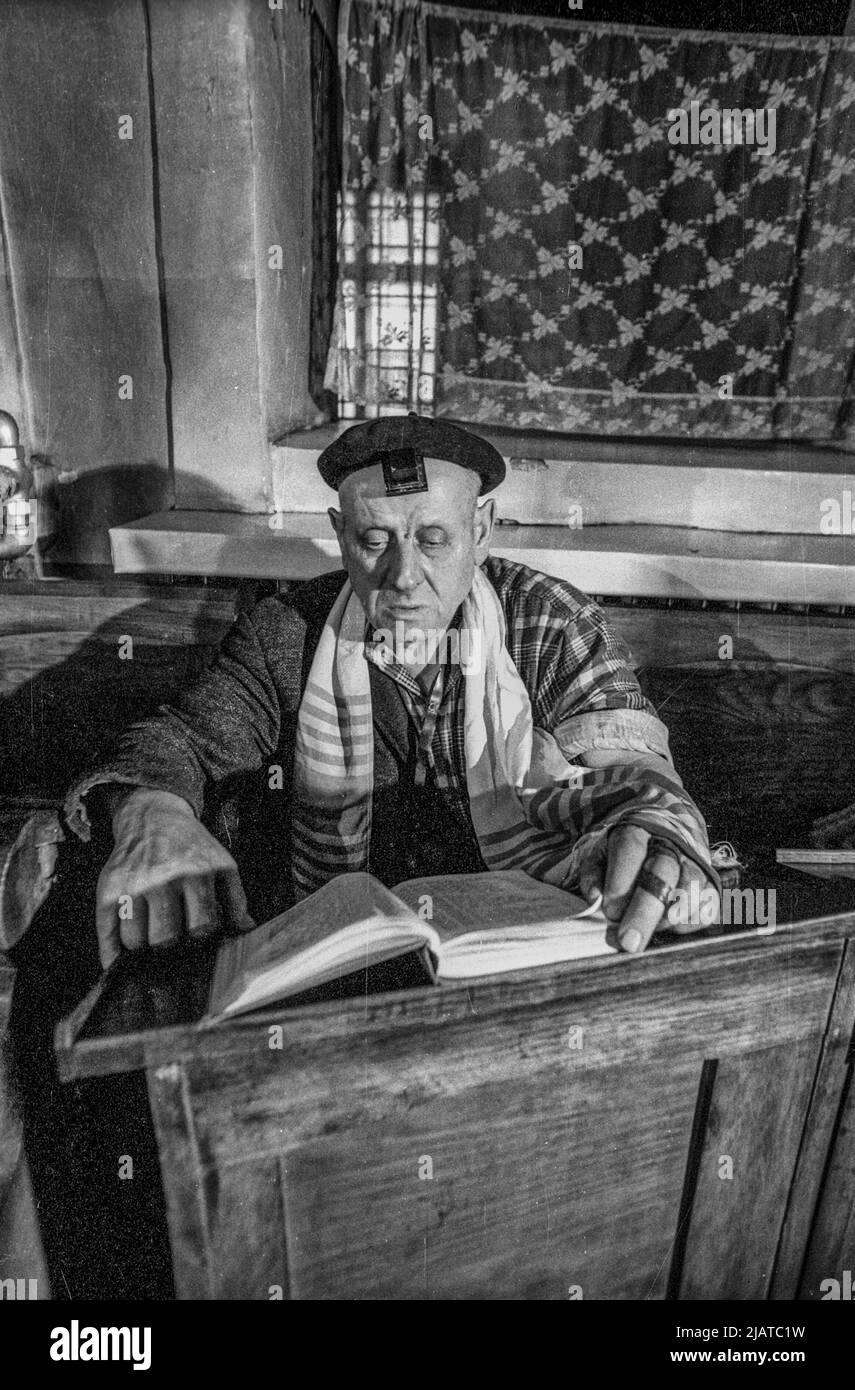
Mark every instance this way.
x=651 y=882
x=655 y=886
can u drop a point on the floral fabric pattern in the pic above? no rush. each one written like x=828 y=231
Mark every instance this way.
x=591 y=275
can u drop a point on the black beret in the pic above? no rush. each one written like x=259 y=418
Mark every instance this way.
x=401 y=443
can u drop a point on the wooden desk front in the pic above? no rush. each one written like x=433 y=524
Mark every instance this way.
x=678 y=1125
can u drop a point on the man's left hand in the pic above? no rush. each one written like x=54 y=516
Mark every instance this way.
x=637 y=875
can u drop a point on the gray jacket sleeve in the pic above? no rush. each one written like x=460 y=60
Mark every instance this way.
x=227 y=722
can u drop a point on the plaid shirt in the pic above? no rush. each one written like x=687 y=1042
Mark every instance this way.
x=573 y=666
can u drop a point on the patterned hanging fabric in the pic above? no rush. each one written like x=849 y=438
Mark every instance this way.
x=534 y=238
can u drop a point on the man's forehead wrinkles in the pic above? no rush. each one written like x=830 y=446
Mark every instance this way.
x=367 y=512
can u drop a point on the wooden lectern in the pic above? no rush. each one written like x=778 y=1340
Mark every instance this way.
x=677 y=1125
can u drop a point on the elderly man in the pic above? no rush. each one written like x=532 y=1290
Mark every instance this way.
x=525 y=743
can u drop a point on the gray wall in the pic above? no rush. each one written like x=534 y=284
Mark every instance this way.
x=149 y=256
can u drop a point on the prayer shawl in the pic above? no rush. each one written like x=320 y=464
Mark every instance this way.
x=531 y=809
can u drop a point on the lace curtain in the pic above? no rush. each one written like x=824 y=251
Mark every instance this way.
x=523 y=245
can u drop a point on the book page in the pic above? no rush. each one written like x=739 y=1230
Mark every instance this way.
x=506 y=901
x=351 y=921
x=506 y=920
x=495 y=922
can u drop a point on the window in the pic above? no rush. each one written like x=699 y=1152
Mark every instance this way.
x=390 y=323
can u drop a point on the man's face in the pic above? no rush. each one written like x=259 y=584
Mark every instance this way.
x=412 y=558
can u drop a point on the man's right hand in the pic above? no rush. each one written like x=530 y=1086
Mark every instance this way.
x=166 y=875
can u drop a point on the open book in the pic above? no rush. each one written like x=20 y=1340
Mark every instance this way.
x=467 y=925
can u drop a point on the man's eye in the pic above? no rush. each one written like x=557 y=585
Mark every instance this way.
x=374 y=542
x=434 y=538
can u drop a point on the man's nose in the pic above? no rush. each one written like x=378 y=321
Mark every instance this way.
x=404 y=571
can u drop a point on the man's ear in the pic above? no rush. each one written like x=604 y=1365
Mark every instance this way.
x=485 y=515
x=337 y=523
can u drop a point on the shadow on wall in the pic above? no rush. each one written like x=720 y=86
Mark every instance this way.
x=64 y=691
x=89 y=503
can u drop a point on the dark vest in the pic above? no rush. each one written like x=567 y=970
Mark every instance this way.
x=416 y=830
